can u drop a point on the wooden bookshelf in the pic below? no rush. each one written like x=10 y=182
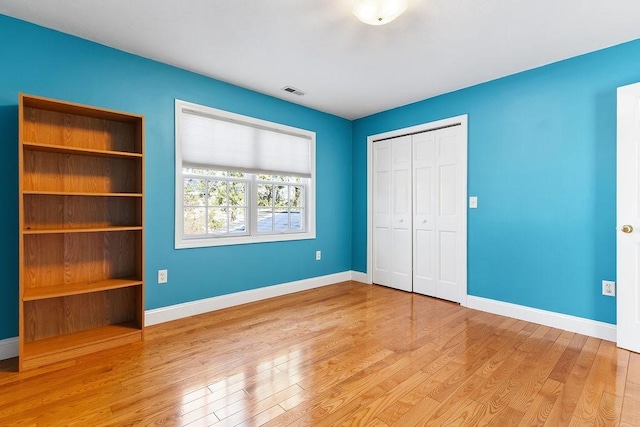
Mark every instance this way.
x=81 y=229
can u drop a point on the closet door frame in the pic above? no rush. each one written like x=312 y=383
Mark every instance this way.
x=462 y=121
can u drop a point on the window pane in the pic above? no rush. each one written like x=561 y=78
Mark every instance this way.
x=296 y=219
x=238 y=220
x=296 y=196
x=282 y=196
x=237 y=191
x=281 y=219
x=264 y=194
x=265 y=220
x=194 y=192
x=263 y=177
x=234 y=174
x=218 y=222
x=194 y=221
x=285 y=178
x=218 y=193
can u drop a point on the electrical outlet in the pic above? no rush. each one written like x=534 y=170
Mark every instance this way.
x=608 y=288
x=318 y=255
x=162 y=276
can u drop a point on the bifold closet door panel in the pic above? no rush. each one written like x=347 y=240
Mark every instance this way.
x=450 y=206
x=424 y=214
x=382 y=213
x=392 y=213
x=401 y=215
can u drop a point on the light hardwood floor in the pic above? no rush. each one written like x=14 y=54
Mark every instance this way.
x=345 y=354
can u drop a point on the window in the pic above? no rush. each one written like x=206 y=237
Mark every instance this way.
x=215 y=203
x=240 y=179
x=280 y=204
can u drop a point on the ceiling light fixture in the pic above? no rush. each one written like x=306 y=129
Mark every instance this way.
x=378 y=12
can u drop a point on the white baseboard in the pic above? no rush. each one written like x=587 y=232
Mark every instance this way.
x=357 y=276
x=178 y=311
x=592 y=328
x=8 y=348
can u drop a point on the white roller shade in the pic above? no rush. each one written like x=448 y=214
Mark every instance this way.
x=214 y=142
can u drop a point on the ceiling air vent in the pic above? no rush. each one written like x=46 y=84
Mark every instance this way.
x=293 y=90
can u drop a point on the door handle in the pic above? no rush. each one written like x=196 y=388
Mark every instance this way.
x=627 y=228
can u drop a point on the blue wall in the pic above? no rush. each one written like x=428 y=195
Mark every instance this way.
x=42 y=62
x=542 y=161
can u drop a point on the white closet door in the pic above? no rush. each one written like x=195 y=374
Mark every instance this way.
x=418 y=215
x=392 y=229
x=401 y=214
x=450 y=230
x=419 y=202
x=439 y=240
x=382 y=213
x=424 y=214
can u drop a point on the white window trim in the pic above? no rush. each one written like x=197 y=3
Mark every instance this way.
x=184 y=243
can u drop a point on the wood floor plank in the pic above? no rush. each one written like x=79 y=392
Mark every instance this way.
x=588 y=405
x=542 y=404
x=538 y=374
x=396 y=410
x=496 y=380
x=610 y=410
x=420 y=411
x=619 y=371
x=634 y=368
x=630 y=405
x=564 y=365
x=347 y=354
x=506 y=353
x=467 y=414
x=579 y=422
x=366 y=414
x=562 y=411
x=253 y=404
x=354 y=389
x=196 y=412
x=454 y=401
x=330 y=419
x=260 y=418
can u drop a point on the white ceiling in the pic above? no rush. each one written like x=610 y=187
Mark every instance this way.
x=345 y=67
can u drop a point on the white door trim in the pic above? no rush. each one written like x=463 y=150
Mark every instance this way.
x=458 y=120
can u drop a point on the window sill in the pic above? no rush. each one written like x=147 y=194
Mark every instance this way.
x=242 y=240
